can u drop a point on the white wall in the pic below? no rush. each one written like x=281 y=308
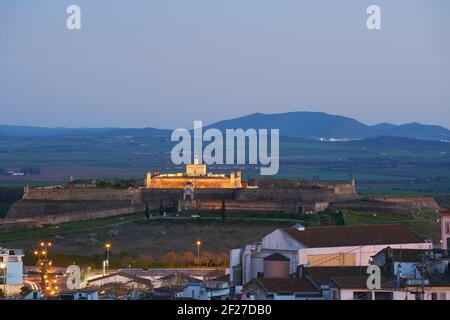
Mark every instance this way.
x=279 y=240
x=363 y=253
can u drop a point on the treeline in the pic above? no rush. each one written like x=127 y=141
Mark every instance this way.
x=172 y=259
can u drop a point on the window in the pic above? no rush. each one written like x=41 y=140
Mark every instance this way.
x=434 y=296
x=447 y=227
x=384 y=296
x=334 y=295
x=362 y=295
x=442 y=296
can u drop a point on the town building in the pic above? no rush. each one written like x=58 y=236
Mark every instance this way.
x=405 y=274
x=129 y=280
x=11 y=270
x=80 y=294
x=318 y=246
x=195 y=177
x=212 y=289
x=281 y=289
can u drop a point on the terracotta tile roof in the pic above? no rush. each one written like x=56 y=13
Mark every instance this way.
x=276 y=257
x=344 y=277
x=286 y=285
x=360 y=282
x=357 y=235
x=179 y=277
x=322 y=275
x=126 y=275
x=224 y=278
x=405 y=255
x=445 y=212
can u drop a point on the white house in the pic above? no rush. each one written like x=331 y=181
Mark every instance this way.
x=11 y=270
x=213 y=289
x=321 y=246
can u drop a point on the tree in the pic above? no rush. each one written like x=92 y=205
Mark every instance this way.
x=170 y=258
x=223 y=209
x=208 y=258
x=147 y=213
x=126 y=261
x=188 y=258
x=223 y=259
x=145 y=260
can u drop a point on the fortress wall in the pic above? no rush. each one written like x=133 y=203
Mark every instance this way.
x=64 y=217
x=344 y=189
x=304 y=195
x=177 y=194
x=81 y=194
x=148 y=195
x=38 y=208
x=233 y=205
x=257 y=206
x=417 y=202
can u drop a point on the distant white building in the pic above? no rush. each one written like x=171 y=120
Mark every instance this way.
x=11 y=270
x=320 y=246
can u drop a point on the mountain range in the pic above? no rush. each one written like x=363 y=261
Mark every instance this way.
x=307 y=125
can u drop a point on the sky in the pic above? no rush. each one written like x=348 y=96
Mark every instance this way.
x=166 y=63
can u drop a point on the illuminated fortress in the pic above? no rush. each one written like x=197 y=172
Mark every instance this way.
x=195 y=177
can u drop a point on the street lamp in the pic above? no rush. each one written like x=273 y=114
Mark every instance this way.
x=45 y=264
x=106 y=262
x=107 y=246
x=198 y=243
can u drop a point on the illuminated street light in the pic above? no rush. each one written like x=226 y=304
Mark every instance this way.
x=106 y=262
x=45 y=267
x=198 y=243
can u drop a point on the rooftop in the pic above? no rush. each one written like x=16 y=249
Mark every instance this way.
x=405 y=255
x=343 y=277
x=357 y=235
x=287 y=285
x=11 y=252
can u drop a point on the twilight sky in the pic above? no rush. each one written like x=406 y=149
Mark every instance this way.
x=165 y=63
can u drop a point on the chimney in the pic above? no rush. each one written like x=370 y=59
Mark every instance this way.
x=299 y=272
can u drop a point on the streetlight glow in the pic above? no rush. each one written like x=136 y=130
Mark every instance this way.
x=198 y=243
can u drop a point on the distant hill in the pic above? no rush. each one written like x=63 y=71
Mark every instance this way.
x=306 y=125
x=43 y=132
x=302 y=125
x=315 y=125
